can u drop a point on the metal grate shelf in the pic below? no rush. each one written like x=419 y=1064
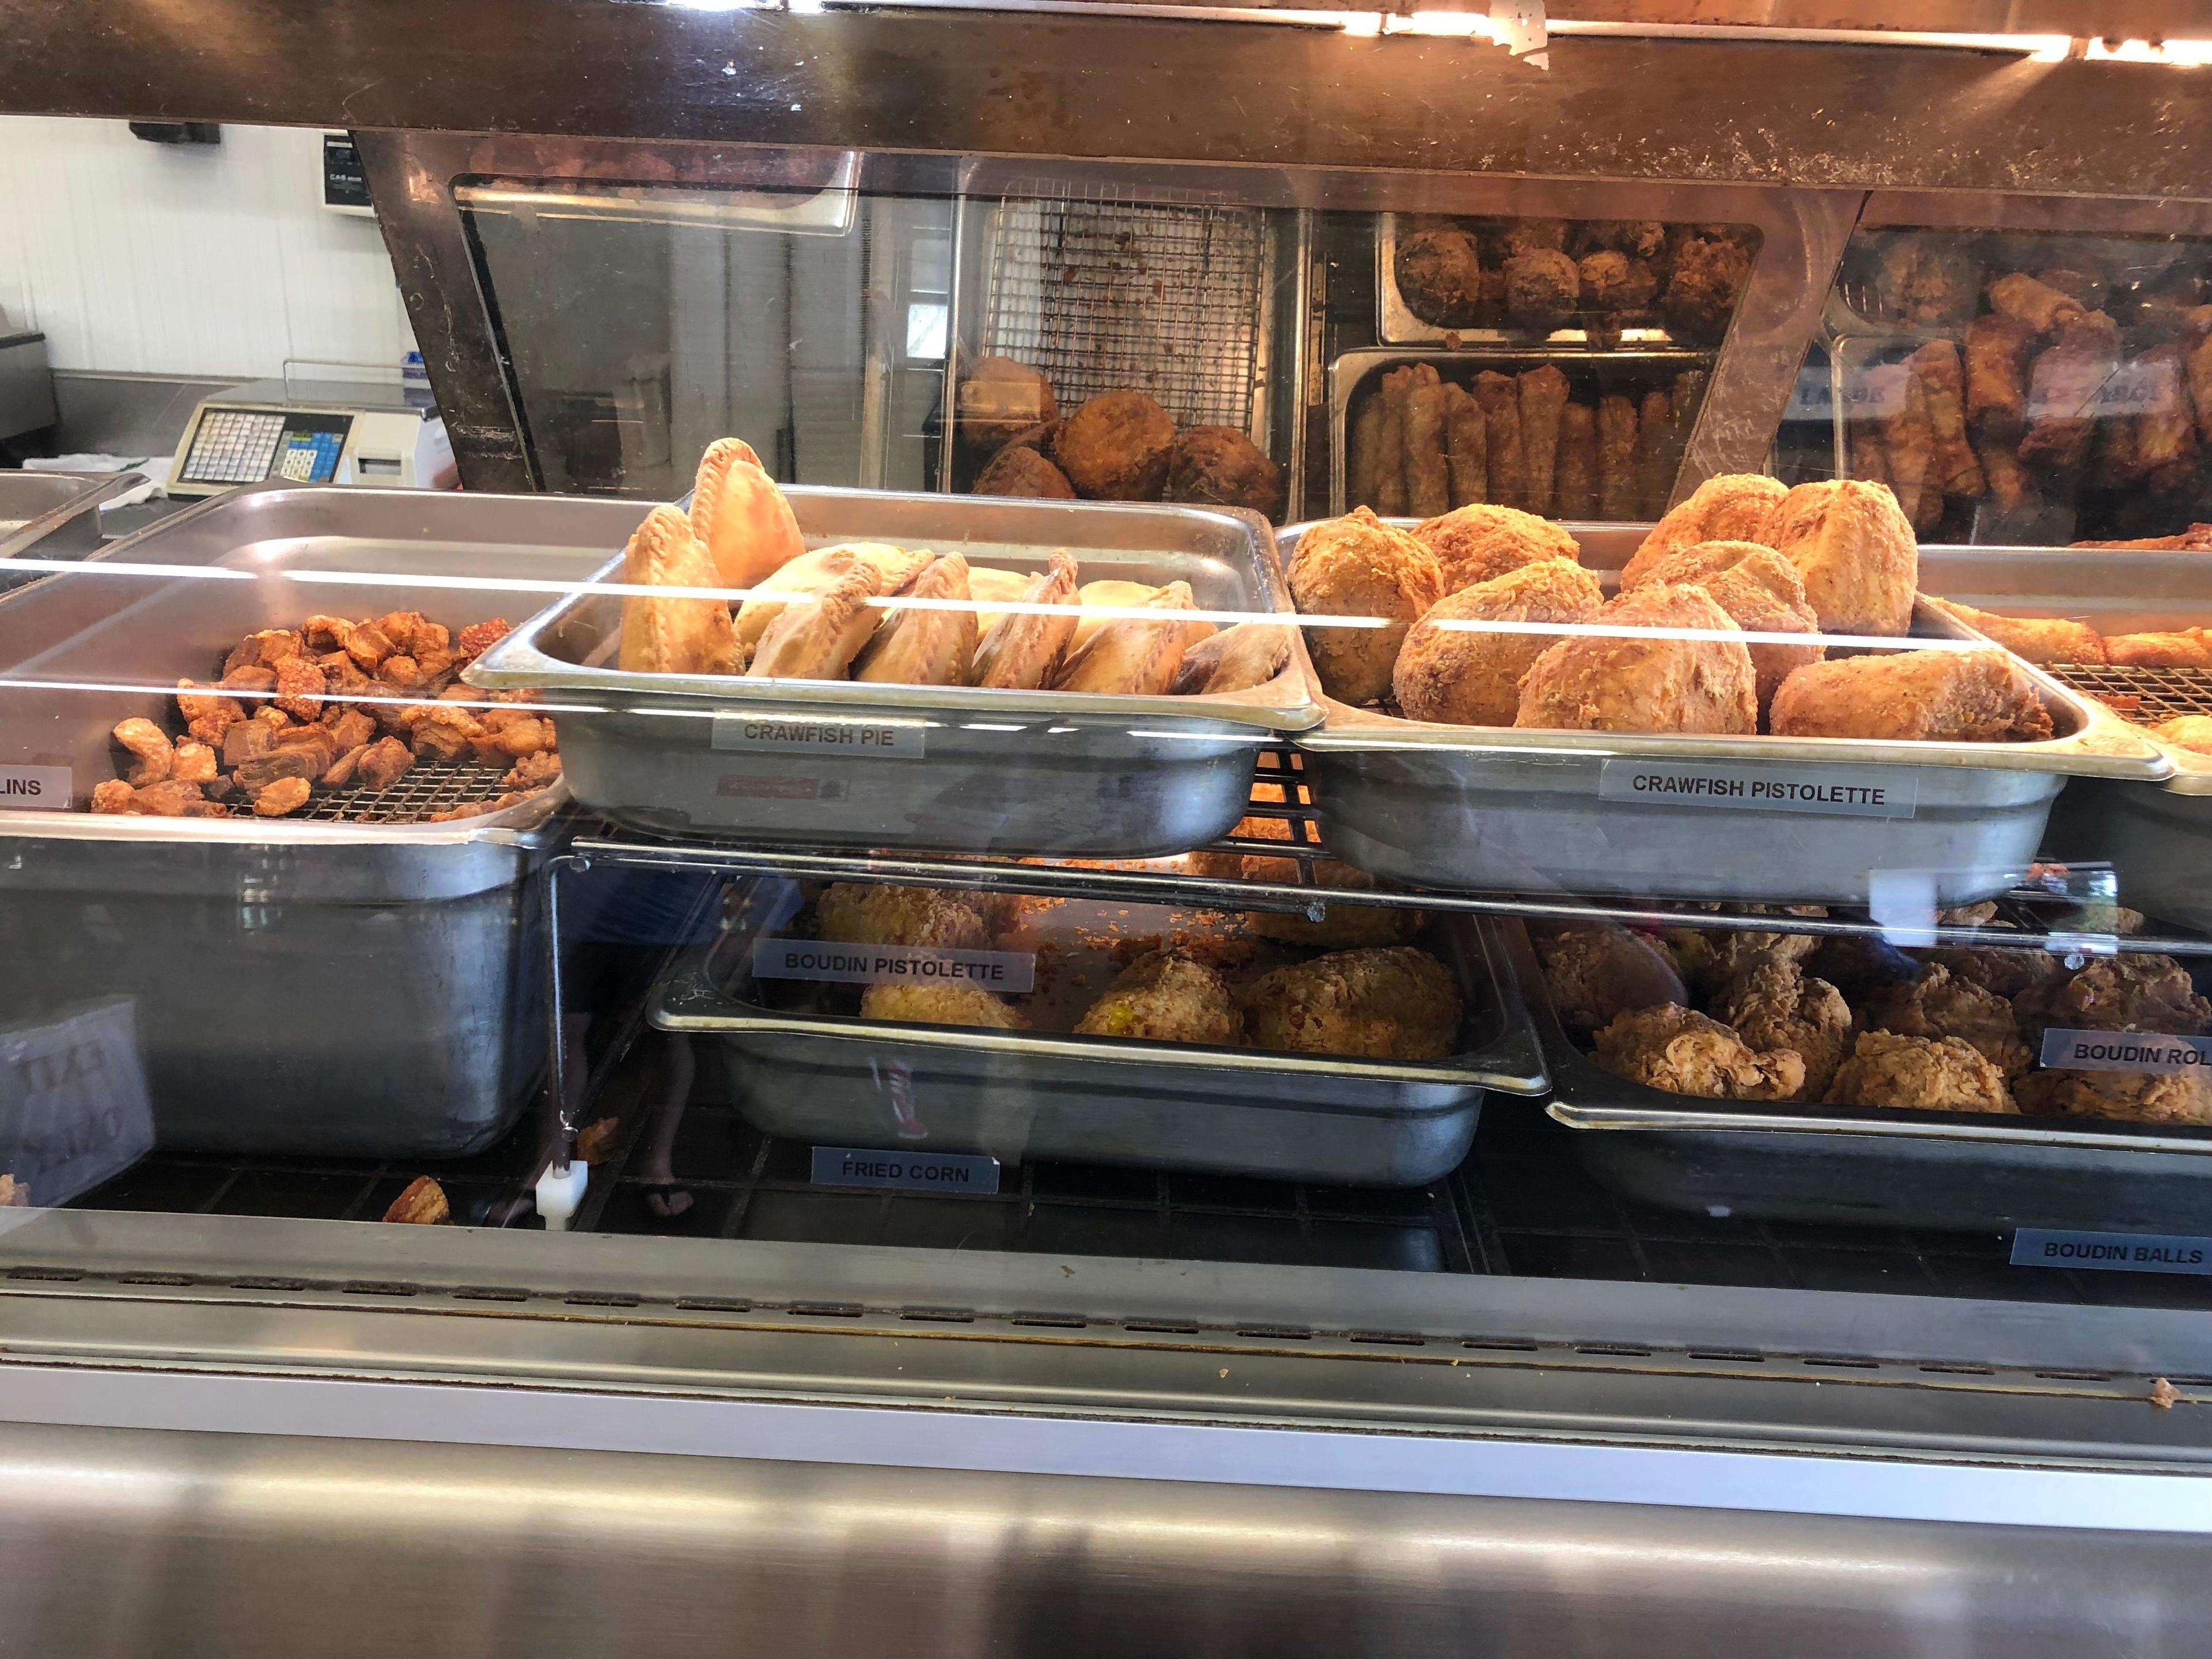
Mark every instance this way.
x=2145 y=695
x=428 y=786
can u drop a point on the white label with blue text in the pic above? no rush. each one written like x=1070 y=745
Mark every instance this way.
x=1862 y=792
x=2125 y=1051
x=34 y=789
x=1005 y=971
x=926 y=1172
x=2132 y=1252
x=820 y=734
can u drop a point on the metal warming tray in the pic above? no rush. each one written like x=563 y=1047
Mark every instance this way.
x=1865 y=1166
x=362 y=990
x=53 y=515
x=1019 y=1096
x=1501 y=810
x=965 y=770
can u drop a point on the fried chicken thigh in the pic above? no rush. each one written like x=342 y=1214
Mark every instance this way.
x=1684 y=1053
x=1358 y=566
x=1166 y=996
x=1941 y=1004
x=914 y=646
x=1598 y=971
x=1931 y=1074
x=740 y=516
x=1473 y=677
x=2135 y=1096
x=1394 y=1004
x=1137 y=659
x=1925 y=697
x=673 y=635
x=2130 y=993
x=1855 y=551
x=1728 y=508
x=1023 y=649
x=1777 y=1005
x=2037 y=639
x=1645 y=683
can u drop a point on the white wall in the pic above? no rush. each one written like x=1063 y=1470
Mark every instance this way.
x=163 y=260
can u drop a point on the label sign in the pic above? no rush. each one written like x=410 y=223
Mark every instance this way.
x=73 y=1105
x=1864 y=792
x=2125 y=1051
x=893 y=964
x=2131 y=1253
x=926 y=1172
x=819 y=734
x=34 y=789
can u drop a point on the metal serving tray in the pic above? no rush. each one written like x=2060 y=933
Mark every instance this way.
x=1865 y=1166
x=1495 y=809
x=1026 y=1095
x=1397 y=325
x=53 y=515
x=977 y=771
x=326 y=988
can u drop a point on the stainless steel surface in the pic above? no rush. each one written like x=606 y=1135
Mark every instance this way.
x=1004 y=771
x=1353 y=376
x=26 y=384
x=287 y=975
x=1019 y=1096
x=1499 y=809
x=53 y=515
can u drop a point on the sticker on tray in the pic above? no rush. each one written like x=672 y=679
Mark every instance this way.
x=1853 y=791
x=893 y=964
x=820 y=734
x=74 y=1109
x=928 y=1172
x=34 y=789
x=2125 y=1051
x=747 y=786
x=2127 y=1253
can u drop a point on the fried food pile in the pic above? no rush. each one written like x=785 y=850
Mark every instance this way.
x=1949 y=1030
x=1221 y=981
x=331 y=707
x=871 y=611
x=1121 y=446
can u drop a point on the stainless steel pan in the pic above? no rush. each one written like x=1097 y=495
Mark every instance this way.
x=53 y=515
x=969 y=770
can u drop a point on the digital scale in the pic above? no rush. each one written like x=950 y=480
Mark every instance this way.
x=313 y=432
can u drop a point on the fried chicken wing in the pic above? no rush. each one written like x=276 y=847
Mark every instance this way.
x=1394 y=1003
x=1473 y=678
x=1854 y=551
x=1925 y=696
x=1926 y=1074
x=2132 y=1096
x=1473 y=543
x=2007 y=973
x=2132 y=992
x=2187 y=648
x=940 y=1005
x=1762 y=590
x=1939 y=1003
x=1640 y=683
x=1234 y=660
x=2037 y=639
x=859 y=913
x=1775 y=1004
x=915 y=645
x=1022 y=650
x=816 y=638
x=1116 y=447
x=740 y=516
x=1166 y=996
x=670 y=635
x=1358 y=566
x=1671 y=1048
x=1600 y=970
x=1132 y=658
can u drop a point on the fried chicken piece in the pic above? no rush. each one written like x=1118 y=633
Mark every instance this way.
x=1860 y=965
x=1640 y=683
x=1394 y=1003
x=1439 y=276
x=1428 y=474
x=2186 y=648
x=1855 y=551
x=157 y=759
x=283 y=797
x=2065 y=387
x=1000 y=398
x=1708 y=275
x=917 y=647
x=1220 y=466
x=813 y=574
x=817 y=639
x=1473 y=543
x=1022 y=650
x=1616 y=458
x=1997 y=377
x=1165 y=996
x=1761 y=589
x=386 y=761
x=1473 y=678
x=1775 y=1004
x=1358 y=566
x=1924 y=284
x=1115 y=447
x=1923 y=696
x=2131 y=1096
x=533 y=771
x=1234 y=660
x=1340 y=926
x=1928 y=1074
x=661 y=635
x=2037 y=639
x=2189 y=732
x=2132 y=992
x=858 y=913
x=940 y=1005
x=739 y=517
x=1574 y=473
x=2037 y=305
x=1714 y=958
x=1542 y=397
x=1017 y=471
x=1132 y=658
x=1598 y=971
x=2006 y=973
x=1952 y=468
x=1671 y=1048
x=1939 y=1003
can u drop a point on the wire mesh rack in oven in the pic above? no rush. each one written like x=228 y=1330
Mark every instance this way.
x=2145 y=695
x=425 y=788
x=1099 y=292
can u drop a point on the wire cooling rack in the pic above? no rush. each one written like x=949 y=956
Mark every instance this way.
x=2146 y=695
x=428 y=786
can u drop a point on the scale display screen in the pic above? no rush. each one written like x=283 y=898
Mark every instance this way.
x=244 y=446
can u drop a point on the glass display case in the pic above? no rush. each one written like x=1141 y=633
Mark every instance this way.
x=1509 y=850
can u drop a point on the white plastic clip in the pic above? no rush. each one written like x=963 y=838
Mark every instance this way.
x=560 y=1191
